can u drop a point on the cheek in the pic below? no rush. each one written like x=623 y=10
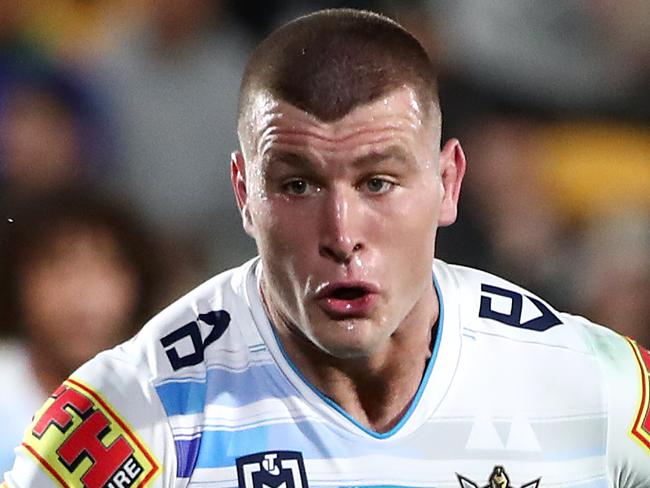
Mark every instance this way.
x=286 y=240
x=282 y=229
x=413 y=218
x=409 y=237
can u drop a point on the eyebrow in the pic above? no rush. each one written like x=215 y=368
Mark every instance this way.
x=295 y=160
x=395 y=152
x=287 y=158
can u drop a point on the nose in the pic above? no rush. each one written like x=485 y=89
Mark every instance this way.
x=340 y=238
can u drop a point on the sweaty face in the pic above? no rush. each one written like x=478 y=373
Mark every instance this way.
x=344 y=214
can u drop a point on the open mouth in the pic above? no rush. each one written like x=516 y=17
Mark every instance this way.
x=348 y=293
x=348 y=300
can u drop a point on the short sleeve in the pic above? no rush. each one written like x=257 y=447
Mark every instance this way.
x=104 y=426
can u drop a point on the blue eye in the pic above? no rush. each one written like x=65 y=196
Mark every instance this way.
x=299 y=187
x=378 y=185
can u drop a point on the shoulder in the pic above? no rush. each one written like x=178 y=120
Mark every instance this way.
x=625 y=366
x=500 y=324
x=207 y=322
x=491 y=305
x=115 y=396
x=180 y=341
x=579 y=365
x=108 y=398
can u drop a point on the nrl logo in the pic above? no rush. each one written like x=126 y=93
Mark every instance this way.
x=498 y=479
x=275 y=469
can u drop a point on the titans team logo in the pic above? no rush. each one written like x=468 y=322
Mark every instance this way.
x=498 y=479
x=274 y=469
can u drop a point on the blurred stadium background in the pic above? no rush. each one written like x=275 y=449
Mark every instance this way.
x=117 y=119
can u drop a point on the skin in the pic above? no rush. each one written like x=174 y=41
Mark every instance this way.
x=359 y=198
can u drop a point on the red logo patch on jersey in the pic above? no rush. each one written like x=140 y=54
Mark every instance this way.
x=641 y=427
x=81 y=442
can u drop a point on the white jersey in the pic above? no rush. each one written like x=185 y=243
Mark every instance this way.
x=205 y=397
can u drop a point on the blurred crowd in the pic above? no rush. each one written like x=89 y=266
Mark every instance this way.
x=117 y=120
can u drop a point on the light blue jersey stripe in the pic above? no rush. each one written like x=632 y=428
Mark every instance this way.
x=181 y=398
x=223 y=387
x=221 y=448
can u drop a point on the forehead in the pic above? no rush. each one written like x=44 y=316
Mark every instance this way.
x=398 y=116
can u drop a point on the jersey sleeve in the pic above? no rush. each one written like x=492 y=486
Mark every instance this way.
x=104 y=427
x=626 y=366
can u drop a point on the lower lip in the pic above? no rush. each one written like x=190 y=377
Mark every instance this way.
x=344 y=309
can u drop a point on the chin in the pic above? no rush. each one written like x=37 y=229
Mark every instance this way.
x=349 y=343
x=347 y=352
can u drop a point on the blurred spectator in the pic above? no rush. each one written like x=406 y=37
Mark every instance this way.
x=563 y=208
x=588 y=57
x=74 y=30
x=598 y=167
x=78 y=274
x=174 y=86
x=16 y=48
x=613 y=267
x=517 y=228
x=262 y=16
x=52 y=133
x=598 y=176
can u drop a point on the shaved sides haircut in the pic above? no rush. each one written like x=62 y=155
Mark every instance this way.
x=329 y=62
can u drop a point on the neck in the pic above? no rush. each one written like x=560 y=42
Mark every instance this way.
x=376 y=390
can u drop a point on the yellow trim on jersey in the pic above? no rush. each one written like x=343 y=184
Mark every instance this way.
x=640 y=430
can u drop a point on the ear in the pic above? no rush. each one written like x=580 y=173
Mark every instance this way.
x=452 y=170
x=238 y=180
